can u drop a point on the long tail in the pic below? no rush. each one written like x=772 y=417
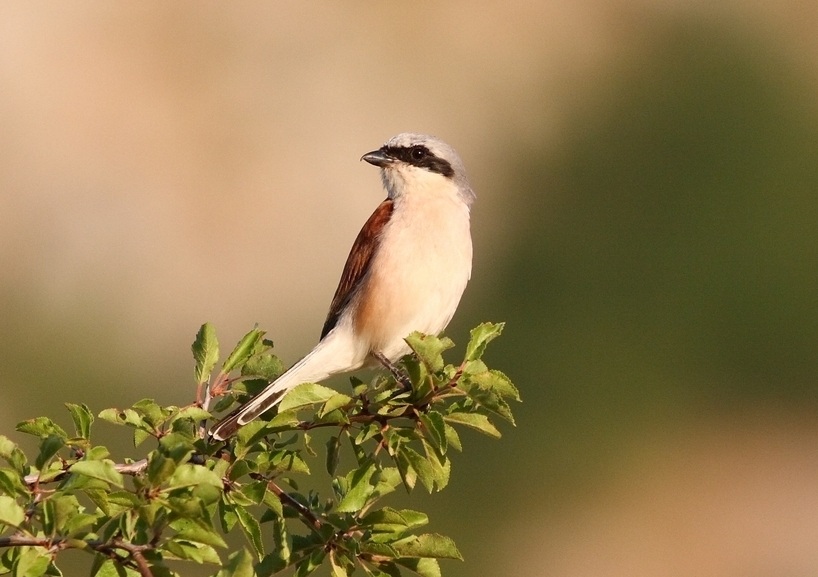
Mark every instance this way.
x=329 y=357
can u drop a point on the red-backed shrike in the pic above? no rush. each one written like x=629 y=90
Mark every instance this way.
x=406 y=271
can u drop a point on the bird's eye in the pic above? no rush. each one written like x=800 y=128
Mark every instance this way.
x=418 y=153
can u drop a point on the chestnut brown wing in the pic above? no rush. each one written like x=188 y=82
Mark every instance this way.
x=358 y=262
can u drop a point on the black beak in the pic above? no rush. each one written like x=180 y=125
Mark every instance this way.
x=378 y=158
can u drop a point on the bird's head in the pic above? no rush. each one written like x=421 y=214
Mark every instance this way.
x=411 y=163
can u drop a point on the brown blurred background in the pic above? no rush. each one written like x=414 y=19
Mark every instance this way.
x=647 y=179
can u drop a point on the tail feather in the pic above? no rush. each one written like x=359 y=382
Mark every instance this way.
x=326 y=359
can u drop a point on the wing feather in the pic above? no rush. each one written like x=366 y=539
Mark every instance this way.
x=358 y=262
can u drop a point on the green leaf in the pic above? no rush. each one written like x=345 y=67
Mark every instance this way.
x=227 y=516
x=188 y=475
x=282 y=420
x=306 y=394
x=423 y=566
x=252 y=530
x=205 y=352
x=220 y=467
x=97 y=453
x=151 y=412
x=122 y=501
x=225 y=402
x=429 y=349
x=481 y=336
x=191 y=413
x=49 y=446
x=433 y=474
x=207 y=495
x=475 y=421
x=239 y=564
x=407 y=473
x=336 y=401
x=188 y=530
x=452 y=438
x=247 y=388
x=307 y=438
x=266 y=366
x=272 y=564
x=310 y=564
x=32 y=562
x=435 y=430
x=495 y=381
x=112 y=416
x=128 y=417
x=333 y=454
x=360 y=489
x=473 y=367
x=245 y=348
x=388 y=524
x=81 y=482
x=105 y=567
x=255 y=492
x=336 y=569
x=381 y=568
x=367 y=432
x=428 y=545
x=10 y=512
x=52 y=471
x=358 y=386
x=139 y=436
x=41 y=427
x=11 y=482
x=441 y=466
x=273 y=503
x=177 y=446
x=12 y=454
x=388 y=480
x=421 y=466
x=80 y=522
x=250 y=434
x=288 y=461
x=102 y=470
x=489 y=400
x=159 y=469
x=100 y=499
x=280 y=555
x=108 y=568
x=192 y=551
x=82 y=417
x=57 y=511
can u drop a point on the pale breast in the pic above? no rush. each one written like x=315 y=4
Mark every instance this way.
x=418 y=275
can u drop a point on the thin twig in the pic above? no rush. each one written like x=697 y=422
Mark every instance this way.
x=308 y=517
x=132 y=469
x=453 y=382
x=134 y=551
x=361 y=418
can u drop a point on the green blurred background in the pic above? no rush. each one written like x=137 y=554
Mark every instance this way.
x=646 y=175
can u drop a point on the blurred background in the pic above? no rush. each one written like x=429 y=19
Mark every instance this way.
x=646 y=224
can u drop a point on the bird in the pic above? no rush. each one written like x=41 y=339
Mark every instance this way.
x=406 y=271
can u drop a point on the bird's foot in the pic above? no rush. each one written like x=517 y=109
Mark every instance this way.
x=400 y=376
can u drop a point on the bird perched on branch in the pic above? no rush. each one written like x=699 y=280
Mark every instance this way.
x=406 y=271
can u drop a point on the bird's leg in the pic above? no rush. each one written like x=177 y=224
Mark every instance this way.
x=399 y=375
